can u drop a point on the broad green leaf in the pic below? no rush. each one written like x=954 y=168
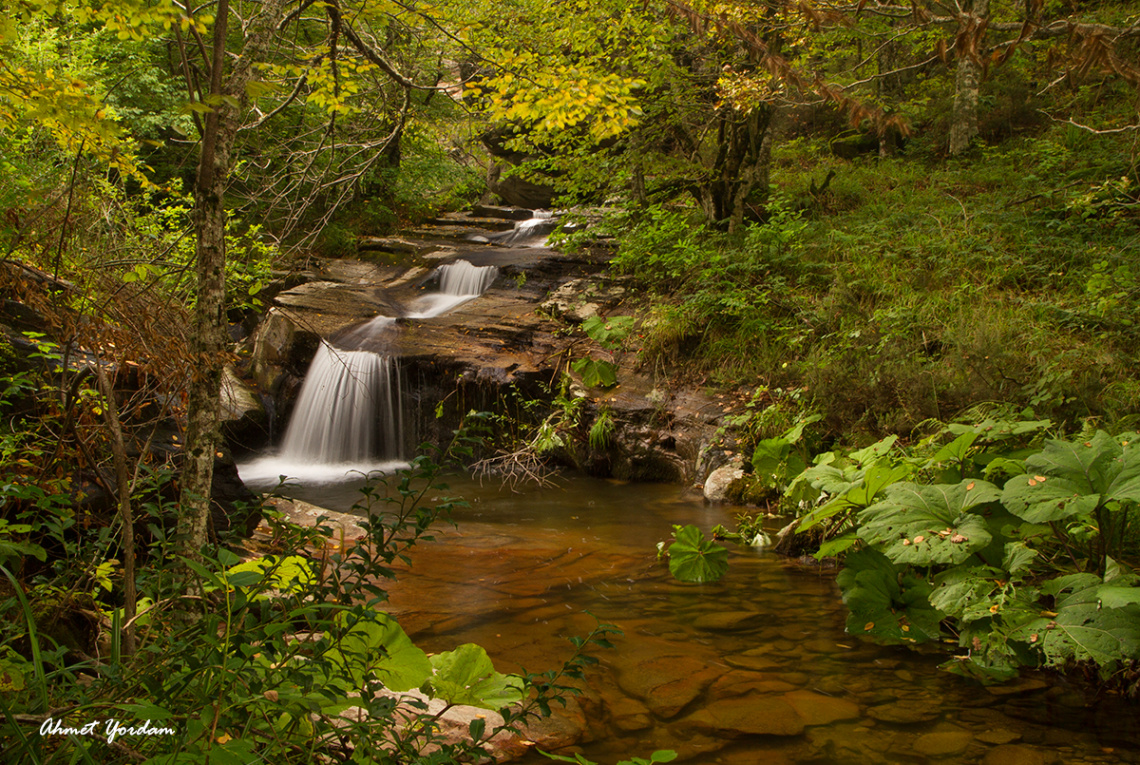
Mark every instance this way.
x=956 y=590
x=957 y=450
x=928 y=525
x=1017 y=557
x=769 y=455
x=467 y=676
x=692 y=558
x=875 y=451
x=290 y=574
x=884 y=603
x=596 y=374
x=1038 y=498
x=1083 y=629
x=1099 y=465
x=1112 y=596
x=377 y=647
x=833 y=547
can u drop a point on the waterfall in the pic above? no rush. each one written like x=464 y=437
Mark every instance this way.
x=531 y=232
x=349 y=415
x=459 y=282
x=348 y=412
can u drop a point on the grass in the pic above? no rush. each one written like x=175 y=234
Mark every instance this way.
x=911 y=289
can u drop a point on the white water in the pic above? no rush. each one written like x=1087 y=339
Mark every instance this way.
x=531 y=232
x=348 y=419
x=459 y=282
x=349 y=416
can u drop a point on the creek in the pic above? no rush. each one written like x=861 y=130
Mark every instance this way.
x=754 y=668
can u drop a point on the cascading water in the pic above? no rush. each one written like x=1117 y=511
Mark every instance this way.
x=531 y=232
x=349 y=416
x=459 y=282
x=349 y=410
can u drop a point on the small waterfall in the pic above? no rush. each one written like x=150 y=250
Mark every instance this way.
x=349 y=416
x=459 y=282
x=348 y=412
x=531 y=232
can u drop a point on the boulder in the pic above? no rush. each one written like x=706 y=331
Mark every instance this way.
x=245 y=420
x=516 y=190
x=719 y=483
x=817 y=709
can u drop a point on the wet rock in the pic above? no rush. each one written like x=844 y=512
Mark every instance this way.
x=749 y=715
x=720 y=481
x=244 y=418
x=998 y=736
x=846 y=743
x=516 y=190
x=1014 y=687
x=630 y=715
x=505 y=213
x=1014 y=754
x=667 y=684
x=729 y=621
x=569 y=302
x=943 y=743
x=817 y=709
x=738 y=683
x=905 y=712
x=756 y=661
x=281 y=346
x=394 y=245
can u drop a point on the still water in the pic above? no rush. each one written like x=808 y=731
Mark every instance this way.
x=756 y=668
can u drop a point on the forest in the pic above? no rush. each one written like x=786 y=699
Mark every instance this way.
x=895 y=244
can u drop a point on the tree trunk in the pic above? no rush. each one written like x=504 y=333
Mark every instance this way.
x=967 y=80
x=208 y=335
x=743 y=154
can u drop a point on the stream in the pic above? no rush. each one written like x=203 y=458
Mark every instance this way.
x=756 y=668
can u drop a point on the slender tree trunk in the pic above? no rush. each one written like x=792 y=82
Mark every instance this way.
x=208 y=336
x=967 y=80
x=741 y=164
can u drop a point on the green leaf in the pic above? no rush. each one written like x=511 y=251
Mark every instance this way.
x=595 y=373
x=884 y=602
x=927 y=525
x=694 y=559
x=1052 y=499
x=376 y=646
x=769 y=455
x=1084 y=629
x=1113 y=596
x=467 y=676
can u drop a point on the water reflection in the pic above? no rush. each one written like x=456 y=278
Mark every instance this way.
x=756 y=668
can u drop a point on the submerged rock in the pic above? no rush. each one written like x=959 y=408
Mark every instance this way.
x=817 y=709
x=748 y=715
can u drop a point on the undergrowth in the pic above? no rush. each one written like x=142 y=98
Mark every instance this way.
x=910 y=289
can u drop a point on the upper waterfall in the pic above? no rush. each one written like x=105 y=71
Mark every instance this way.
x=459 y=282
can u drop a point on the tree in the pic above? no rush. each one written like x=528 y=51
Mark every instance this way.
x=242 y=64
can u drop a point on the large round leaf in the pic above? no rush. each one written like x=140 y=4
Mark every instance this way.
x=692 y=558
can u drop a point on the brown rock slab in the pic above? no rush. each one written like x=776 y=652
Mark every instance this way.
x=666 y=684
x=729 y=621
x=1022 y=685
x=998 y=736
x=738 y=683
x=749 y=715
x=943 y=744
x=904 y=712
x=817 y=709
x=1016 y=754
x=757 y=663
